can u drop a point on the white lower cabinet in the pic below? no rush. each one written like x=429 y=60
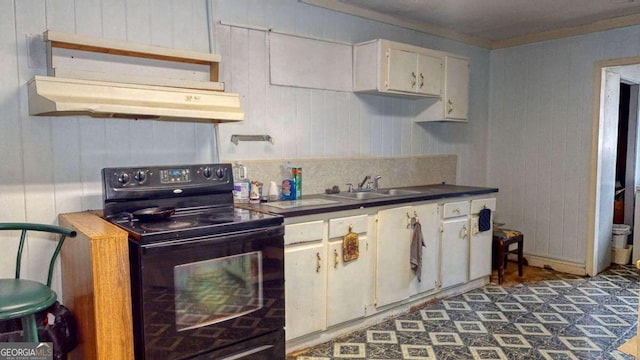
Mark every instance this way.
x=348 y=283
x=323 y=291
x=454 y=256
x=480 y=242
x=455 y=250
x=305 y=274
x=395 y=280
x=393 y=271
x=428 y=217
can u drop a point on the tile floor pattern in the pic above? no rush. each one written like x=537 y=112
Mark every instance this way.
x=569 y=318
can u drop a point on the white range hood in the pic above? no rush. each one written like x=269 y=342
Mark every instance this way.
x=53 y=96
x=111 y=79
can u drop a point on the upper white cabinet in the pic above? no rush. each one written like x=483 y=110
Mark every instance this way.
x=387 y=67
x=456 y=88
x=390 y=68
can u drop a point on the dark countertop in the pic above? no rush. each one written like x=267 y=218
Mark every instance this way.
x=428 y=192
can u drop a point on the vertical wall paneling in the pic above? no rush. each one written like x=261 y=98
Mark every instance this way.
x=548 y=115
x=114 y=19
x=53 y=164
x=36 y=143
x=160 y=13
x=138 y=19
x=12 y=195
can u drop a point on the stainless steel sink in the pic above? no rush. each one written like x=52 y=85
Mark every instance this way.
x=361 y=195
x=376 y=194
x=398 y=192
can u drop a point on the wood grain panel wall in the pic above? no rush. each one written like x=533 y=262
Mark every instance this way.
x=540 y=137
x=51 y=165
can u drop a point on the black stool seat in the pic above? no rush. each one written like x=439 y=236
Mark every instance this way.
x=502 y=240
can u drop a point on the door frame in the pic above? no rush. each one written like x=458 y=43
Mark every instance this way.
x=595 y=177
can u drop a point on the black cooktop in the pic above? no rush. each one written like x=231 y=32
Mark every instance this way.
x=200 y=194
x=189 y=224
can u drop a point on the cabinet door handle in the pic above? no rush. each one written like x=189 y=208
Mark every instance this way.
x=421 y=80
x=336 y=258
x=476 y=229
x=449 y=106
x=318 y=263
x=413 y=80
x=463 y=231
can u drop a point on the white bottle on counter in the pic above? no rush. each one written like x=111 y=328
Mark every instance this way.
x=241 y=183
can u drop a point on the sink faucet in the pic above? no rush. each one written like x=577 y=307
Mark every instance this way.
x=376 y=181
x=361 y=185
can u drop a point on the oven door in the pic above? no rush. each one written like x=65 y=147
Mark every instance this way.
x=199 y=295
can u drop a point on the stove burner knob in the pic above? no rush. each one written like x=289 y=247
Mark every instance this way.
x=220 y=173
x=140 y=176
x=123 y=178
x=207 y=172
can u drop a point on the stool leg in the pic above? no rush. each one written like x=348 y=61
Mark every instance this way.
x=520 y=255
x=501 y=265
x=30 y=328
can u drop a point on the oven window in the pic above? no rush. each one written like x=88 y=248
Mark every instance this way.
x=213 y=291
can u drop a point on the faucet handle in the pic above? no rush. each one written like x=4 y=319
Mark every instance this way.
x=349 y=187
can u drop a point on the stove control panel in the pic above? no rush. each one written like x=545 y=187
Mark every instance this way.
x=165 y=181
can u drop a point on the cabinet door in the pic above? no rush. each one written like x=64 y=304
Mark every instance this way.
x=479 y=250
x=429 y=75
x=305 y=284
x=428 y=217
x=349 y=283
x=401 y=74
x=305 y=278
x=456 y=88
x=393 y=270
x=454 y=259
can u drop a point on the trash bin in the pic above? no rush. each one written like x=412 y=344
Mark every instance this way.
x=620 y=235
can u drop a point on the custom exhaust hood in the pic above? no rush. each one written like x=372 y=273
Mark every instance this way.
x=52 y=96
x=110 y=79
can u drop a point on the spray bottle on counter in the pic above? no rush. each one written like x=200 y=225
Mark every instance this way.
x=241 y=183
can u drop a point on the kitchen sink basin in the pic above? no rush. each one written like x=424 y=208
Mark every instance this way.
x=398 y=192
x=361 y=195
x=376 y=194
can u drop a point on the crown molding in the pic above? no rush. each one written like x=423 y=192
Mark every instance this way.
x=602 y=25
x=614 y=23
x=413 y=25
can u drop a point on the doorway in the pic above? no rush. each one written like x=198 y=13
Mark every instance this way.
x=608 y=76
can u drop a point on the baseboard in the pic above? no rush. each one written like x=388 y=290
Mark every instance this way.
x=556 y=265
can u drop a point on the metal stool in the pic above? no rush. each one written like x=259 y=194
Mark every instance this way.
x=502 y=240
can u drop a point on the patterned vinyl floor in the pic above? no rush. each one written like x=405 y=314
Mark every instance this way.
x=567 y=318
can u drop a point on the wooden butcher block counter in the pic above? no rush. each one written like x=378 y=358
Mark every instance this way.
x=96 y=287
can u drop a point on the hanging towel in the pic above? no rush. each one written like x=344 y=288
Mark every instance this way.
x=417 y=242
x=484 y=220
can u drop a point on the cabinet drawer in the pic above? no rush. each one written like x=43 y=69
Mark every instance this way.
x=455 y=209
x=304 y=232
x=340 y=227
x=479 y=204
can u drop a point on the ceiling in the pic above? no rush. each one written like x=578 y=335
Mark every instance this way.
x=495 y=23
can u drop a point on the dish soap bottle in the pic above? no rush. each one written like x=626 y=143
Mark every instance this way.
x=241 y=183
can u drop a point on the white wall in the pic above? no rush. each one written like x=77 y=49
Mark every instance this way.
x=52 y=165
x=540 y=137
x=317 y=123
